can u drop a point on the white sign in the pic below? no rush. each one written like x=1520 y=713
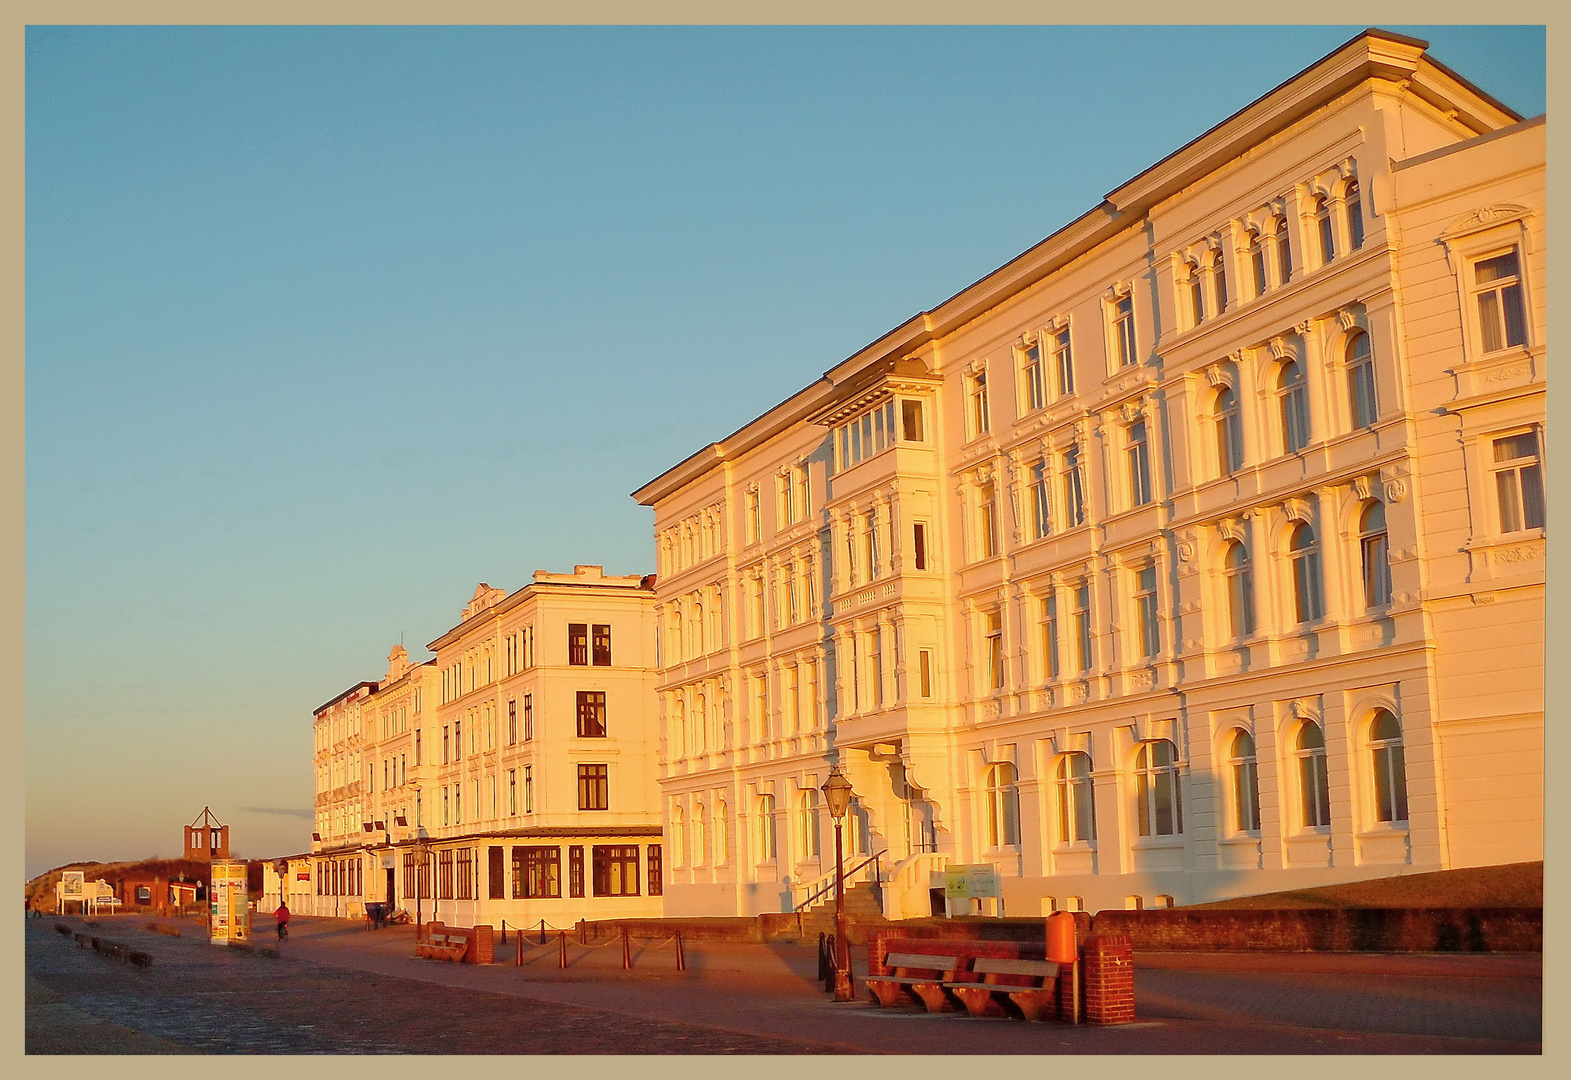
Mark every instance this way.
x=971 y=881
x=72 y=884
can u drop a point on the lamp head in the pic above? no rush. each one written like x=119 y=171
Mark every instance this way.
x=837 y=793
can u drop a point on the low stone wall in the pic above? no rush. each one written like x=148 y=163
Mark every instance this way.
x=1391 y=930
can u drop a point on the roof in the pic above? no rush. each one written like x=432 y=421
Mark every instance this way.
x=1371 y=54
x=330 y=702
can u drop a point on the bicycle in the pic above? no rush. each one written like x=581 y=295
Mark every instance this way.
x=283 y=931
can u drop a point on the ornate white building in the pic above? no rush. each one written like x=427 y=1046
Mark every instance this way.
x=1196 y=552
x=510 y=777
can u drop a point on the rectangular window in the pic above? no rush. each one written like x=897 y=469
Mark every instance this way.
x=978 y=404
x=529 y=789
x=995 y=650
x=1139 y=465
x=924 y=659
x=529 y=717
x=987 y=524
x=615 y=869
x=591 y=714
x=1083 y=627
x=446 y=751
x=537 y=873
x=751 y=522
x=1519 y=483
x=602 y=645
x=1145 y=606
x=578 y=644
x=512 y=721
x=1050 y=636
x=575 y=870
x=1063 y=363
x=1124 y=327
x=1041 y=501
x=1074 y=488
x=444 y=875
x=911 y=421
x=592 y=783
x=870 y=544
x=919 y=544
x=1036 y=391
x=512 y=792
x=495 y=874
x=1497 y=290
x=657 y=871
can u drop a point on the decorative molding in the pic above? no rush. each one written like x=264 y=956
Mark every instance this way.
x=1186 y=552
x=976 y=366
x=1297 y=510
x=1231 y=529
x=1347 y=317
x=1361 y=487
x=1485 y=217
x=1395 y=490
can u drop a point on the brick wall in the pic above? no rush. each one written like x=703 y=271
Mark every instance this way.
x=1331 y=930
x=1108 y=971
x=482 y=945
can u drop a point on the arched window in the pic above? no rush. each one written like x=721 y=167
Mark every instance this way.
x=807 y=825
x=1158 y=802
x=1003 y=806
x=1323 y=224
x=1375 y=552
x=1361 y=381
x=700 y=723
x=1305 y=557
x=700 y=829
x=1284 y=253
x=766 y=828
x=1229 y=432
x=1076 y=813
x=1197 y=296
x=1240 y=590
x=1257 y=262
x=699 y=645
x=1246 y=782
x=677 y=644
x=1390 y=768
x=722 y=833
x=678 y=837
x=1355 y=215
x=1219 y=280
x=1314 y=787
x=678 y=742
x=1294 y=401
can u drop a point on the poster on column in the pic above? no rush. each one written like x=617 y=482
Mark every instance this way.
x=230 y=910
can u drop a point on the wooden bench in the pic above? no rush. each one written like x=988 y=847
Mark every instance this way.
x=1007 y=986
x=444 y=946
x=917 y=977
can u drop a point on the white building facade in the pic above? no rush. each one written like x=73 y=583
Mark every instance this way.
x=1197 y=552
x=509 y=778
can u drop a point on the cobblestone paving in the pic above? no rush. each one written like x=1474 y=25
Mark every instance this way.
x=216 y=1001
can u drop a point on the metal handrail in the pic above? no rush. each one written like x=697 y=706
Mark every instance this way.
x=828 y=885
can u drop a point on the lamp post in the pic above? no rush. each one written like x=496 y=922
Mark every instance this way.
x=837 y=793
x=420 y=853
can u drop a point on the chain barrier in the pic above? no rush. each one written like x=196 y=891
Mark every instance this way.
x=623 y=939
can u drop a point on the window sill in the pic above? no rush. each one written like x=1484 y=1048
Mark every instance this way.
x=1385 y=828
x=1151 y=843
x=1077 y=847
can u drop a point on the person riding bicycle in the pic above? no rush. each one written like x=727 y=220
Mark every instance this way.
x=282 y=915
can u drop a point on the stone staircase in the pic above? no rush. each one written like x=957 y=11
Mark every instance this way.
x=861 y=901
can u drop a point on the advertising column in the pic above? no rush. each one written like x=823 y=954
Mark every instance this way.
x=231 y=913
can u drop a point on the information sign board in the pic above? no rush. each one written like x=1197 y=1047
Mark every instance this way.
x=970 y=881
x=229 y=908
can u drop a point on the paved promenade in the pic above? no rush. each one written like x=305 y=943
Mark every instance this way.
x=339 y=989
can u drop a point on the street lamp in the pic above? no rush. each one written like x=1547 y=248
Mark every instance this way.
x=420 y=854
x=837 y=793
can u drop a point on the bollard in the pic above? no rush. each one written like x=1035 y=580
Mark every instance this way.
x=627 y=950
x=504 y=931
x=518 y=948
x=542 y=931
x=561 y=942
x=583 y=932
x=823 y=967
x=829 y=969
x=681 y=958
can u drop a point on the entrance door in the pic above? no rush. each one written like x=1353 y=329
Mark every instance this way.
x=390 y=898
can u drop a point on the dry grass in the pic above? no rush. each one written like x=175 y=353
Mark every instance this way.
x=1515 y=885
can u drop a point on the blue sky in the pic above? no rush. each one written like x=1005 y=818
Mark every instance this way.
x=325 y=325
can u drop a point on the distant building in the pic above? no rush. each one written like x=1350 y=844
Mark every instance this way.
x=511 y=777
x=1196 y=552
x=206 y=838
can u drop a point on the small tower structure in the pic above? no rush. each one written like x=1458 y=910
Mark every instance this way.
x=206 y=838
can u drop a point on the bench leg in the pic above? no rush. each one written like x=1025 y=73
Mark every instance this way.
x=978 y=1000
x=1037 y=1004
x=887 y=994
x=933 y=996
